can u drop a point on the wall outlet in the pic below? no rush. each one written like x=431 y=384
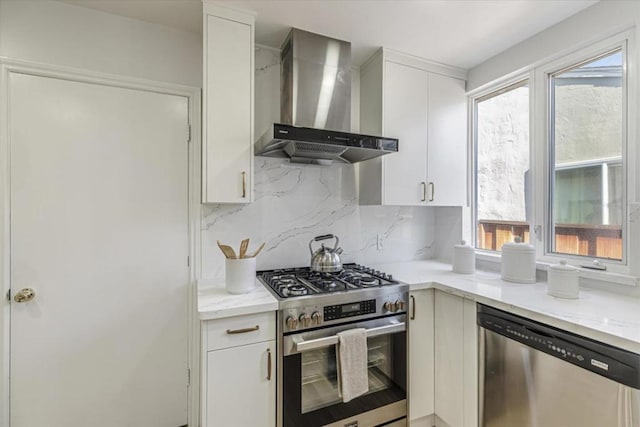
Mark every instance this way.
x=380 y=242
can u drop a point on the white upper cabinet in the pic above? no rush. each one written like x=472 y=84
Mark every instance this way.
x=447 y=163
x=227 y=149
x=424 y=106
x=405 y=117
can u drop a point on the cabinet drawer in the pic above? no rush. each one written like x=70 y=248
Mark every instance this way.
x=240 y=330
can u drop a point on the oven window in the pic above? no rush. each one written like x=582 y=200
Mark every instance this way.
x=319 y=376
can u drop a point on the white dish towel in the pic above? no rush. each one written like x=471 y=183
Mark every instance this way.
x=353 y=378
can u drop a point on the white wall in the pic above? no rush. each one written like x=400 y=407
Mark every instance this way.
x=57 y=33
x=594 y=23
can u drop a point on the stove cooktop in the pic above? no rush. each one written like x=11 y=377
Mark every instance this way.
x=296 y=282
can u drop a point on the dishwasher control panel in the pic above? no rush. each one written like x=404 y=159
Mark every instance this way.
x=614 y=363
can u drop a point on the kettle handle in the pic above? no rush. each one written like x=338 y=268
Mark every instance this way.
x=323 y=237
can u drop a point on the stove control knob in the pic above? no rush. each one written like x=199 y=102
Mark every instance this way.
x=305 y=320
x=399 y=305
x=292 y=322
x=316 y=318
x=389 y=306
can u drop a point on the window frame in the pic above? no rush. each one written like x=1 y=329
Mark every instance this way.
x=503 y=86
x=543 y=200
x=539 y=221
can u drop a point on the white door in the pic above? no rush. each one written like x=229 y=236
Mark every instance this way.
x=99 y=230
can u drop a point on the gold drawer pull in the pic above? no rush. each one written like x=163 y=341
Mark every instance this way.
x=244 y=184
x=268 y=364
x=413 y=308
x=242 y=331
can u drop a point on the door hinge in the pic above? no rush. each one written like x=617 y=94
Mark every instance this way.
x=189 y=133
x=188 y=262
x=9 y=295
x=188 y=377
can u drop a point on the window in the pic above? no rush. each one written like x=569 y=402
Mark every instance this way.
x=551 y=159
x=502 y=166
x=586 y=108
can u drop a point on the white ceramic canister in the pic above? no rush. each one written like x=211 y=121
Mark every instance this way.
x=518 y=262
x=464 y=258
x=240 y=275
x=563 y=281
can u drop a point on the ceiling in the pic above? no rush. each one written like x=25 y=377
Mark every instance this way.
x=462 y=33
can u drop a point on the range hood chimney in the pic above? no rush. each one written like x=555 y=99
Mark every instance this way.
x=315 y=106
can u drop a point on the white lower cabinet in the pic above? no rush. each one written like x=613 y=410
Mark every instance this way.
x=421 y=357
x=456 y=361
x=239 y=371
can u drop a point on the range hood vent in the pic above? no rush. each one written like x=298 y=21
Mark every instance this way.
x=315 y=106
x=318 y=146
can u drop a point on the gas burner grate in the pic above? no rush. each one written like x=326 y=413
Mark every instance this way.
x=294 y=282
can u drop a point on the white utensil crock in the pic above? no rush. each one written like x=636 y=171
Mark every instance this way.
x=240 y=275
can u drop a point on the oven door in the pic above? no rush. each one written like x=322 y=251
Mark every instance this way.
x=310 y=395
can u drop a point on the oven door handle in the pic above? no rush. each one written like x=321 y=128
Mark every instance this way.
x=302 y=345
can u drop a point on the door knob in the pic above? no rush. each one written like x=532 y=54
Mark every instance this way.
x=25 y=295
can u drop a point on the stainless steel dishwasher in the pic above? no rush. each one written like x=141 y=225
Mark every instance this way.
x=535 y=375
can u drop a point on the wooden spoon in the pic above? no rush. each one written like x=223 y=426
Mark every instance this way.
x=255 y=254
x=244 y=245
x=227 y=251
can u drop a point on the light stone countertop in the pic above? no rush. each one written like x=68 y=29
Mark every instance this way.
x=600 y=315
x=214 y=302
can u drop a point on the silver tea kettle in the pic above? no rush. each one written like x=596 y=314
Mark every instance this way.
x=325 y=260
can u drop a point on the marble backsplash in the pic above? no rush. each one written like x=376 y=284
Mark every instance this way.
x=295 y=202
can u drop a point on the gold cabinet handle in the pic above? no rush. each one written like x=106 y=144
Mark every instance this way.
x=413 y=307
x=433 y=191
x=244 y=184
x=25 y=295
x=268 y=364
x=242 y=331
x=424 y=191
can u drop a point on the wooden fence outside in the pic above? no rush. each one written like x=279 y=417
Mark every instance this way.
x=602 y=241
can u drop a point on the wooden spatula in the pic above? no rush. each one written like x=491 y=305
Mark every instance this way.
x=244 y=245
x=255 y=254
x=227 y=250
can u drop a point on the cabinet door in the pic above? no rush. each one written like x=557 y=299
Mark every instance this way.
x=239 y=393
x=470 y=364
x=447 y=157
x=421 y=354
x=405 y=118
x=449 y=349
x=227 y=151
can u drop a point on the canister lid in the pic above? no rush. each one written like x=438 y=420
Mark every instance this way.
x=463 y=246
x=518 y=245
x=562 y=266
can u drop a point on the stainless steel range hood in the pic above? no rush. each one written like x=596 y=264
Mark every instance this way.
x=315 y=106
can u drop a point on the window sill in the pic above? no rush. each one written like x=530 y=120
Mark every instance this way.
x=605 y=277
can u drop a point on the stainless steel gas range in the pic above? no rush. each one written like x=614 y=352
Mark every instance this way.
x=313 y=308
